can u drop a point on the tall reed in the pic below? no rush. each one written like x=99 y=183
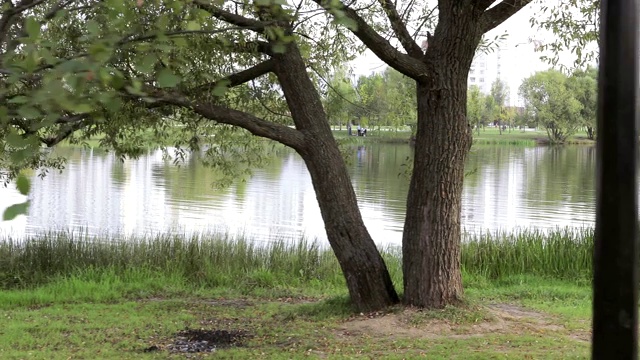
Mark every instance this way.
x=561 y=253
x=208 y=259
x=217 y=259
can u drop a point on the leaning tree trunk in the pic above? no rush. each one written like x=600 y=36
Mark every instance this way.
x=432 y=231
x=368 y=280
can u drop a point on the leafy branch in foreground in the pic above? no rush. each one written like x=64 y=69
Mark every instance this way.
x=575 y=25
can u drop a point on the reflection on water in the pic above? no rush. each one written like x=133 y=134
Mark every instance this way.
x=505 y=187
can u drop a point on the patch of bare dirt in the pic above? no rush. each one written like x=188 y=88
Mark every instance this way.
x=515 y=314
x=237 y=303
x=203 y=340
x=499 y=319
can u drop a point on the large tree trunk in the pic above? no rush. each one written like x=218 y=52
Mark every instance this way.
x=431 y=239
x=368 y=280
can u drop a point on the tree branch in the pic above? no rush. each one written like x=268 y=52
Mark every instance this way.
x=69 y=125
x=484 y=4
x=501 y=12
x=236 y=79
x=404 y=63
x=8 y=17
x=138 y=38
x=73 y=124
x=424 y=21
x=231 y=18
x=69 y=119
x=338 y=92
x=267 y=108
x=62 y=4
x=255 y=125
x=400 y=30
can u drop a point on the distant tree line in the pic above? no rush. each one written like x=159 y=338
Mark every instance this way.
x=379 y=99
x=490 y=109
x=561 y=104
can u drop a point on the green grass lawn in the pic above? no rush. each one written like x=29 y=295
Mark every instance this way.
x=73 y=297
x=518 y=319
x=491 y=135
x=486 y=136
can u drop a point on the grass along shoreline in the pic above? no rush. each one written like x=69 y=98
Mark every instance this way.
x=65 y=296
x=216 y=259
x=486 y=136
x=492 y=136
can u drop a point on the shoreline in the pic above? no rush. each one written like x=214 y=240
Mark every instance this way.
x=489 y=136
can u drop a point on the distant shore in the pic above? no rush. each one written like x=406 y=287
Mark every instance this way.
x=486 y=136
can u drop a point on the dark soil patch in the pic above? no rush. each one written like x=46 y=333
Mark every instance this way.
x=202 y=340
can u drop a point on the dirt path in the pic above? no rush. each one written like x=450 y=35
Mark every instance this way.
x=495 y=319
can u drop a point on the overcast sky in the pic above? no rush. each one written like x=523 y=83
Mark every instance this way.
x=518 y=58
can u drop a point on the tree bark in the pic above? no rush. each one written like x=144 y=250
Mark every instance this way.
x=431 y=238
x=368 y=280
x=366 y=274
x=432 y=231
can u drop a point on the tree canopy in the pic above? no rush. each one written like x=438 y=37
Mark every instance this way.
x=207 y=75
x=562 y=104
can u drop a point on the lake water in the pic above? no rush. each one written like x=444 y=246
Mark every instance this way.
x=506 y=187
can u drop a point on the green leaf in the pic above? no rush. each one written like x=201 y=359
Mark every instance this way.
x=93 y=27
x=15 y=140
x=20 y=99
x=82 y=108
x=14 y=210
x=193 y=26
x=166 y=78
x=99 y=52
x=176 y=6
x=220 y=89
x=30 y=62
x=23 y=184
x=134 y=90
x=117 y=82
x=32 y=27
x=147 y=63
x=28 y=112
x=113 y=105
x=18 y=156
x=204 y=14
x=180 y=42
x=68 y=66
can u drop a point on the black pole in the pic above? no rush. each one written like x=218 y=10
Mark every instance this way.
x=615 y=309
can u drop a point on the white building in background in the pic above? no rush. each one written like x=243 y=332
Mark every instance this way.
x=511 y=63
x=480 y=73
